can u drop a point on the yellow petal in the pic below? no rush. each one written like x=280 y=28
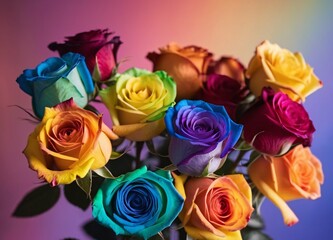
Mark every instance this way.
x=140 y=131
x=38 y=162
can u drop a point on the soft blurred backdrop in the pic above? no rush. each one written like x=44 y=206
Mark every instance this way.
x=225 y=27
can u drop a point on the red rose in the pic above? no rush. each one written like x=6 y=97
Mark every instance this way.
x=275 y=123
x=100 y=53
x=223 y=90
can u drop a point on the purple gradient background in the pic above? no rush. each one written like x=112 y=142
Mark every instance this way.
x=225 y=27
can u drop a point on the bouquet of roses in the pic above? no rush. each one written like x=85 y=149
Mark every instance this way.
x=195 y=145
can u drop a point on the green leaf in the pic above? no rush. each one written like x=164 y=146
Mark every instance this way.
x=76 y=196
x=37 y=201
x=92 y=109
x=97 y=231
x=256 y=222
x=104 y=172
x=152 y=150
x=254 y=234
x=242 y=145
x=85 y=183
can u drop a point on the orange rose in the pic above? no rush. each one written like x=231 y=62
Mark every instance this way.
x=215 y=208
x=230 y=67
x=185 y=64
x=67 y=143
x=297 y=174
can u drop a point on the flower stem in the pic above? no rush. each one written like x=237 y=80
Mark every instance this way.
x=237 y=161
x=138 y=149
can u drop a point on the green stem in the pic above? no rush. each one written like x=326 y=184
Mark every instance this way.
x=138 y=150
x=237 y=161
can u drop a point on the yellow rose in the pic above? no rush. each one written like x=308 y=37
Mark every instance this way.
x=214 y=209
x=68 y=142
x=281 y=70
x=186 y=65
x=297 y=174
x=137 y=103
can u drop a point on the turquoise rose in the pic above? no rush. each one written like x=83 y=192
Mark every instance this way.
x=56 y=80
x=140 y=203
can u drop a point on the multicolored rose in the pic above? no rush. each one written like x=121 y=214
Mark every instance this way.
x=140 y=203
x=297 y=174
x=137 y=103
x=99 y=51
x=215 y=209
x=67 y=143
x=186 y=65
x=278 y=68
x=276 y=123
x=201 y=135
x=56 y=80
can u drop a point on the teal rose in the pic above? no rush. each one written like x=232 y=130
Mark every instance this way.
x=56 y=80
x=140 y=203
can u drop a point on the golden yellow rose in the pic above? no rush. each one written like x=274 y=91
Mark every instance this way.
x=187 y=65
x=214 y=209
x=281 y=70
x=68 y=142
x=297 y=174
x=137 y=103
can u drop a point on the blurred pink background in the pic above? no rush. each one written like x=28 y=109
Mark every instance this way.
x=224 y=27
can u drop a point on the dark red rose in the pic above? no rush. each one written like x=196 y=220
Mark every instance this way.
x=276 y=123
x=223 y=90
x=99 y=51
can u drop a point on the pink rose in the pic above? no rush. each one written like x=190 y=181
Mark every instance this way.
x=99 y=51
x=275 y=123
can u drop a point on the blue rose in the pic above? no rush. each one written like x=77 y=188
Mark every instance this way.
x=202 y=135
x=140 y=203
x=56 y=80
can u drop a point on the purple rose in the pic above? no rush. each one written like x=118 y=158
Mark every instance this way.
x=276 y=123
x=202 y=135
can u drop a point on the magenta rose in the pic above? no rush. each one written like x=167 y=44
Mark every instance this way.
x=276 y=123
x=95 y=46
x=223 y=90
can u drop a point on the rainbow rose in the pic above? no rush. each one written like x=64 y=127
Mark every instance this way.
x=56 y=80
x=201 y=134
x=215 y=209
x=68 y=142
x=137 y=103
x=140 y=203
